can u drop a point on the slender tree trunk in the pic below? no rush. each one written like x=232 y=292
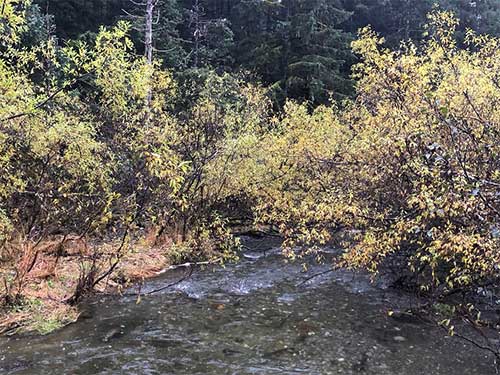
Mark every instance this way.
x=288 y=41
x=197 y=33
x=149 y=32
x=148 y=43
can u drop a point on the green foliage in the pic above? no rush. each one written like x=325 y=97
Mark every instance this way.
x=399 y=20
x=297 y=46
x=395 y=20
x=441 y=174
x=480 y=15
x=225 y=112
x=13 y=21
x=51 y=156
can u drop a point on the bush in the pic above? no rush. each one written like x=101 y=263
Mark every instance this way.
x=410 y=168
x=92 y=148
x=430 y=126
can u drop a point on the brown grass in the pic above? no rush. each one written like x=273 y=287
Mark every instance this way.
x=45 y=278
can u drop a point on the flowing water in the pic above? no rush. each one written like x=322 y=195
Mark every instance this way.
x=254 y=317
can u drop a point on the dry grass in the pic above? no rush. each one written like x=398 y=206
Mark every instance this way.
x=48 y=283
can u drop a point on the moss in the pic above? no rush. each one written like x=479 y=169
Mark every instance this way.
x=38 y=315
x=45 y=326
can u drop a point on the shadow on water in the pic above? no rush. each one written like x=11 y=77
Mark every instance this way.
x=246 y=318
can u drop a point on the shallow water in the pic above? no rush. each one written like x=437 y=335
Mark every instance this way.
x=254 y=317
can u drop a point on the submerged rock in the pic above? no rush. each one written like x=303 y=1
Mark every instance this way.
x=112 y=334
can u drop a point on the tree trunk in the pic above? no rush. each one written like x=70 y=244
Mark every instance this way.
x=148 y=43
x=149 y=32
x=197 y=33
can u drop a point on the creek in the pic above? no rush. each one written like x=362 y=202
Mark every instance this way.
x=258 y=316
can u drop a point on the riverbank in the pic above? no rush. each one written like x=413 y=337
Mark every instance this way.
x=41 y=291
x=45 y=292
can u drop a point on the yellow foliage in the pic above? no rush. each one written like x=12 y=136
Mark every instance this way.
x=410 y=168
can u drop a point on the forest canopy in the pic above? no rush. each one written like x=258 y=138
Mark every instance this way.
x=300 y=49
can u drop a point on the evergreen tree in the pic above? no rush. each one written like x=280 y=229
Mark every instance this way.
x=296 y=46
x=208 y=36
x=167 y=43
x=316 y=50
x=75 y=17
x=259 y=47
x=399 y=20
x=480 y=15
x=167 y=38
x=396 y=20
x=300 y=48
x=39 y=26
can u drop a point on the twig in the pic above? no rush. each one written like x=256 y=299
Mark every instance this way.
x=314 y=276
x=189 y=264
x=43 y=102
x=188 y=275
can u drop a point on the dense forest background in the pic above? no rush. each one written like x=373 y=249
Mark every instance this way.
x=299 y=48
